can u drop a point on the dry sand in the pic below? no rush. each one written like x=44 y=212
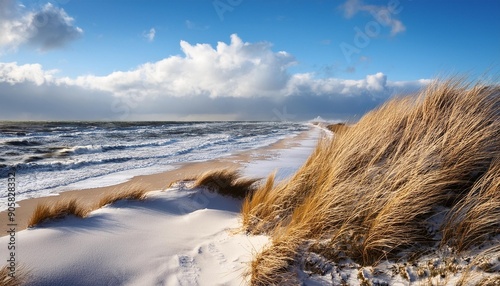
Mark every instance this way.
x=151 y=182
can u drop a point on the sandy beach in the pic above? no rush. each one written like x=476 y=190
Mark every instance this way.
x=158 y=181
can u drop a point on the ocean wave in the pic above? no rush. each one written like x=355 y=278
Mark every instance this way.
x=51 y=157
x=23 y=143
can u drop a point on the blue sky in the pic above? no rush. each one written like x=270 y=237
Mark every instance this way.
x=293 y=55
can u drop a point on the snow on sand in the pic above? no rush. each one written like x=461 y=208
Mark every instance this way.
x=177 y=236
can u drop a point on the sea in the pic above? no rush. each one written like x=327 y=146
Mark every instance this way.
x=51 y=157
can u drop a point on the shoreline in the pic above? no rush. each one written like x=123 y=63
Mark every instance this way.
x=152 y=182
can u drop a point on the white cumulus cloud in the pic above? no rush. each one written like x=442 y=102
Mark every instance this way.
x=372 y=85
x=12 y=74
x=237 y=69
x=47 y=28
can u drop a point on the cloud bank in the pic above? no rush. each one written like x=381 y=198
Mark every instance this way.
x=235 y=81
x=47 y=28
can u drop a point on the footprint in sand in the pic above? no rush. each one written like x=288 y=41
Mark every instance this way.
x=189 y=271
x=217 y=254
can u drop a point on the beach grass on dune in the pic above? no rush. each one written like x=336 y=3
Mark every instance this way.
x=20 y=276
x=337 y=128
x=59 y=210
x=133 y=192
x=226 y=182
x=417 y=174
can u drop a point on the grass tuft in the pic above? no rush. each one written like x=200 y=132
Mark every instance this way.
x=337 y=128
x=59 y=210
x=226 y=182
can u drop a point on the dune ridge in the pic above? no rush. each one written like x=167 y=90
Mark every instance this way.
x=418 y=176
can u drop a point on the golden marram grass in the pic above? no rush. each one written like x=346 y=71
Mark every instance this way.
x=370 y=192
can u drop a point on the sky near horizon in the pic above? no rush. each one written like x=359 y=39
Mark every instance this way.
x=233 y=59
